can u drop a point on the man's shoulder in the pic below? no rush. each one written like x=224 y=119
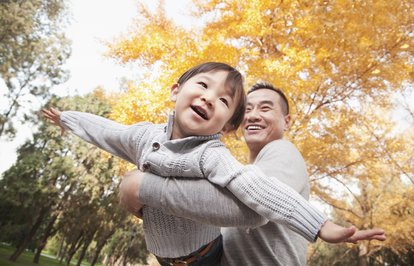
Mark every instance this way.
x=279 y=146
x=281 y=152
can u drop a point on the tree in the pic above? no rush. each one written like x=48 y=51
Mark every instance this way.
x=340 y=62
x=59 y=182
x=33 y=49
x=127 y=245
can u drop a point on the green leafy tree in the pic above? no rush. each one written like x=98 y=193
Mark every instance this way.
x=57 y=182
x=33 y=48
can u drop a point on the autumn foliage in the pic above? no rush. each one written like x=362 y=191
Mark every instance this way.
x=344 y=65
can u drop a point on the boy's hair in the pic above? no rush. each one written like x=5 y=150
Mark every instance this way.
x=284 y=103
x=234 y=82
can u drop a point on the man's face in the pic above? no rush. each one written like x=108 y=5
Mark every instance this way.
x=264 y=120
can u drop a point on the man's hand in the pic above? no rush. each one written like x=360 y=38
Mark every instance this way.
x=53 y=115
x=129 y=192
x=333 y=233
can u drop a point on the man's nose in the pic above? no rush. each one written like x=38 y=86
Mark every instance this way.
x=252 y=115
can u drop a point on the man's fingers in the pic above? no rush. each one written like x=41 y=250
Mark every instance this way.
x=128 y=192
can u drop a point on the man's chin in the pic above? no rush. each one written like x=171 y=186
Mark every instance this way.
x=253 y=138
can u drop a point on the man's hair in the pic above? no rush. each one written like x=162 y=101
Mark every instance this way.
x=284 y=103
x=234 y=82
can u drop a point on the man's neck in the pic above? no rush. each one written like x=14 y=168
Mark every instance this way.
x=253 y=155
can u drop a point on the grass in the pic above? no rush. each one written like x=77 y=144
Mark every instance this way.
x=25 y=259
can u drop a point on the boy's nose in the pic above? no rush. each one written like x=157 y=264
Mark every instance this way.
x=208 y=99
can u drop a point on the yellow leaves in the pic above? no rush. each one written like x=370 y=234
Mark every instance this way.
x=154 y=45
x=153 y=39
x=142 y=103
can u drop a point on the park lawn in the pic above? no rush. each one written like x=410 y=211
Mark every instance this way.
x=25 y=259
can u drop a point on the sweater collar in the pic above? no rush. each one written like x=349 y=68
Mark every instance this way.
x=169 y=129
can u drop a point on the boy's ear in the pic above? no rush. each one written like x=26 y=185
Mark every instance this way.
x=174 y=92
x=226 y=129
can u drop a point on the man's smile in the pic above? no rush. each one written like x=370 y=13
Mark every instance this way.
x=253 y=127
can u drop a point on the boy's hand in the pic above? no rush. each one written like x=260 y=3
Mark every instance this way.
x=53 y=115
x=129 y=192
x=333 y=233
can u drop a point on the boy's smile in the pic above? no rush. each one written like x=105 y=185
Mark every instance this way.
x=203 y=105
x=200 y=111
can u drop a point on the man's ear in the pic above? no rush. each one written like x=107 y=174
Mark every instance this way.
x=287 y=122
x=174 y=92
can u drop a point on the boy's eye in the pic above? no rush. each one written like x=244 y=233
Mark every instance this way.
x=203 y=84
x=224 y=101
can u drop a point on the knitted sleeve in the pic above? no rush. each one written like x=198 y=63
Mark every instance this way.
x=198 y=200
x=268 y=196
x=117 y=139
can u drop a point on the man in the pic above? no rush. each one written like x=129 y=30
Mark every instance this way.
x=266 y=118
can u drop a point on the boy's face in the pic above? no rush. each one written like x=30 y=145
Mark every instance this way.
x=203 y=105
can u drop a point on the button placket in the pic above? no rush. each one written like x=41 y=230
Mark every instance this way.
x=146 y=166
x=155 y=146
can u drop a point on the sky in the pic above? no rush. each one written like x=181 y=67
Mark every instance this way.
x=92 y=23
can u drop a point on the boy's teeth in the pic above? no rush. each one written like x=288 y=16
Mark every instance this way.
x=200 y=112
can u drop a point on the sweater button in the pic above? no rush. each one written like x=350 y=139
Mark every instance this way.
x=146 y=166
x=155 y=146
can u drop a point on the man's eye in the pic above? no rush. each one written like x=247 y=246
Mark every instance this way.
x=265 y=108
x=203 y=84
x=224 y=101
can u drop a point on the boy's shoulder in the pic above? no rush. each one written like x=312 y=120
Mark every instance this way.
x=214 y=148
x=215 y=144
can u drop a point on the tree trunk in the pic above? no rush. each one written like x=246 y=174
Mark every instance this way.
x=42 y=244
x=62 y=250
x=26 y=240
x=74 y=247
x=100 y=246
x=86 y=244
x=362 y=254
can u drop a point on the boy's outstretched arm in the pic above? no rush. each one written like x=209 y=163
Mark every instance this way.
x=333 y=233
x=53 y=115
x=118 y=139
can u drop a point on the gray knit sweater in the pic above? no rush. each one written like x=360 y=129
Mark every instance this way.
x=150 y=148
x=270 y=244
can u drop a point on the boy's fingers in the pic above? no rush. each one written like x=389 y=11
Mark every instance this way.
x=48 y=114
x=45 y=112
x=55 y=111
x=372 y=234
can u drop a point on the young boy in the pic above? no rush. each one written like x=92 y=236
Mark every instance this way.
x=209 y=102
